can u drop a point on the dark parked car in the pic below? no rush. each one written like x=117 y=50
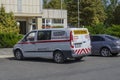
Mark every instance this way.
x=105 y=45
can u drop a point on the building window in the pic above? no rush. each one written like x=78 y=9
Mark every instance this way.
x=19 y=5
x=33 y=27
x=46 y=22
x=58 y=21
x=33 y=24
x=43 y=20
x=34 y=21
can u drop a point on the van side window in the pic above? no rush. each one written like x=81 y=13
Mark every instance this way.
x=44 y=35
x=30 y=36
x=59 y=35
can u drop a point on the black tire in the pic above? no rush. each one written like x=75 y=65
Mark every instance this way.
x=18 y=55
x=78 y=59
x=58 y=57
x=115 y=54
x=105 y=52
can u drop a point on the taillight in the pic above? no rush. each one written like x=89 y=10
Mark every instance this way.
x=71 y=40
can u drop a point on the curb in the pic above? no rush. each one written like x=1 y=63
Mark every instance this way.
x=6 y=53
x=6 y=56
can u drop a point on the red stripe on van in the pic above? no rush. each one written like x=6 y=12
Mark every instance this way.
x=44 y=41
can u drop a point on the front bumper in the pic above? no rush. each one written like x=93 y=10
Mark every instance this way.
x=115 y=49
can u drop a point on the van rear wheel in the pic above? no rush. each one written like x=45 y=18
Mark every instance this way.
x=58 y=57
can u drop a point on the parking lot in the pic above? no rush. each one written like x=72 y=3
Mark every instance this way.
x=89 y=68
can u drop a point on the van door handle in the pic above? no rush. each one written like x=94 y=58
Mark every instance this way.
x=84 y=41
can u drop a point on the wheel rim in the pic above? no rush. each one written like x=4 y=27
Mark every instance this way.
x=58 y=57
x=18 y=55
x=105 y=52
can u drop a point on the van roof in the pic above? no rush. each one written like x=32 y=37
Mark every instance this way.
x=59 y=29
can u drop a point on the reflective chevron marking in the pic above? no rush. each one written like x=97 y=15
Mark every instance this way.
x=82 y=51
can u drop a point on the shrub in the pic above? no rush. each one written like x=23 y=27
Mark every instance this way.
x=114 y=30
x=102 y=29
x=57 y=27
x=97 y=29
x=8 y=40
x=9 y=31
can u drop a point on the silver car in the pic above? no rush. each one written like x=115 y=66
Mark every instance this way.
x=105 y=45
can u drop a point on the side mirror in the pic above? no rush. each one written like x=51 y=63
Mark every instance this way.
x=30 y=39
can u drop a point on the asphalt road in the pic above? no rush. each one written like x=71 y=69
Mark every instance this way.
x=90 y=68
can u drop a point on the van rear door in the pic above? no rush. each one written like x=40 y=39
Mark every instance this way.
x=81 y=40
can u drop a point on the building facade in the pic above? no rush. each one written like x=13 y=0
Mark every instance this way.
x=30 y=14
x=54 y=17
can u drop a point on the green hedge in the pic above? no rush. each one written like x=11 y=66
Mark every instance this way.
x=8 y=40
x=97 y=29
x=102 y=29
x=114 y=30
x=57 y=26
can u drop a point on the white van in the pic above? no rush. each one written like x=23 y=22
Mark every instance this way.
x=58 y=44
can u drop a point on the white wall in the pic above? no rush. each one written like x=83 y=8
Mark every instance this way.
x=27 y=6
x=10 y=5
x=54 y=13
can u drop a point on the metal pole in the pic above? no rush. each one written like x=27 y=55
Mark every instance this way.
x=61 y=11
x=78 y=15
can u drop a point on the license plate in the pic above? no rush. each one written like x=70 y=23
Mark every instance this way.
x=77 y=45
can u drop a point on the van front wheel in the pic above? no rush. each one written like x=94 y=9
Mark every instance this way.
x=58 y=57
x=18 y=55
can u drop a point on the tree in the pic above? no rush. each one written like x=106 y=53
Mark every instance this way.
x=54 y=4
x=7 y=22
x=45 y=3
x=116 y=15
x=92 y=12
x=72 y=12
x=110 y=6
x=9 y=31
x=2 y=16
